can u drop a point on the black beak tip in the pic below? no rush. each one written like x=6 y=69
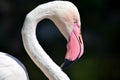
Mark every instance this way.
x=66 y=64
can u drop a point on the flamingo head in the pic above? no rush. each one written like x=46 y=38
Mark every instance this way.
x=67 y=19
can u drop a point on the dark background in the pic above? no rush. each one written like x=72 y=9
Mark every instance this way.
x=100 y=21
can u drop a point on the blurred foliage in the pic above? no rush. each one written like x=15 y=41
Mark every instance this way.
x=100 y=21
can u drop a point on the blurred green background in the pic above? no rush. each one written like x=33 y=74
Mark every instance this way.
x=100 y=21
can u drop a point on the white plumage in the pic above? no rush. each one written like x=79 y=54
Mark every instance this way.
x=11 y=68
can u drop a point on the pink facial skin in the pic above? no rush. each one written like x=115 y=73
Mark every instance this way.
x=75 y=45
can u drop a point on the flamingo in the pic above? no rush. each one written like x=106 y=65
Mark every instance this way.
x=66 y=17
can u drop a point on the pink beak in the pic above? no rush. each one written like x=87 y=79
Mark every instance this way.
x=75 y=47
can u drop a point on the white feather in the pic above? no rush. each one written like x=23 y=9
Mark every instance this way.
x=11 y=68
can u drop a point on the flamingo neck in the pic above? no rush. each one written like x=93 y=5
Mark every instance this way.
x=34 y=49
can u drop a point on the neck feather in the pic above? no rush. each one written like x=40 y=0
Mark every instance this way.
x=34 y=49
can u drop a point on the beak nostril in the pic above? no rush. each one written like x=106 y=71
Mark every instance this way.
x=80 y=40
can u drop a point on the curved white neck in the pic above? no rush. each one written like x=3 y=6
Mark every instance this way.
x=35 y=51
